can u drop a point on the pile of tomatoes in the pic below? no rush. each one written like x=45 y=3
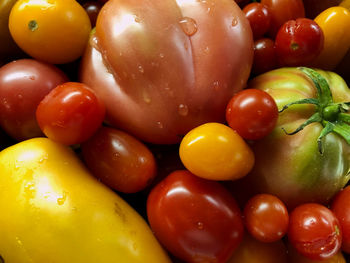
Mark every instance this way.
x=227 y=131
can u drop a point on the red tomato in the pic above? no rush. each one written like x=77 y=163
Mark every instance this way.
x=282 y=11
x=165 y=62
x=299 y=42
x=70 y=113
x=23 y=84
x=259 y=18
x=197 y=220
x=340 y=207
x=265 y=58
x=314 y=231
x=266 y=217
x=252 y=113
x=92 y=8
x=119 y=160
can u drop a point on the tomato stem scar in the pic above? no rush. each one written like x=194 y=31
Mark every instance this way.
x=33 y=25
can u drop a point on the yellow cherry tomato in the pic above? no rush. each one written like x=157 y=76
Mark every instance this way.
x=55 y=31
x=215 y=151
x=335 y=24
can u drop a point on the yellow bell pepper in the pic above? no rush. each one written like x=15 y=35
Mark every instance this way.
x=55 y=211
x=335 y=24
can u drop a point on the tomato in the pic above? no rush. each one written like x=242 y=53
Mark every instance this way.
x=299 y=42
x=340 y=207
x=266 y=217
x=217 y=152
x=265 y=58
x=252 y=250
x=334 y=22
x=282 y=11
x=304 y=166
x=259 y=18
x=8 y=48
x=70 y=113
x=173 y=64
x=55 y=204
x=314 y=231
x=23 y=84
x=92 y=8
x=195 y=219
x=119 y=160
x=252 y=113
x=55 y=31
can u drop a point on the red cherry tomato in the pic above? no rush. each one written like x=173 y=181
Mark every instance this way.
x=281 y=11
x=70 y=113
x=196 y=219
x=299 y=42
x=121 y=161
x=259 y=18
x=340 y=207
x=265 y=58
x=266 y=217
x=314 y=231
x=252 y=113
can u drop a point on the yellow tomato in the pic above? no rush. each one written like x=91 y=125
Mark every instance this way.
x=55 y=211
x=335 y=24
x=55 y=31
x=215 y=151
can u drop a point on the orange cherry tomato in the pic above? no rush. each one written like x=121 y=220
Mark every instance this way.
x=55 y=31
x=217 y=152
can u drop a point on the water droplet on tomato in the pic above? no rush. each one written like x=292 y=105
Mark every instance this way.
x=141 y=70
x=188 y=25
x=183 y=109
x=146 y=97
x=137 y=19
x=200 y=225
x=161 y=55
x=116 y=156
x=234 y=22
x=160 y=125
x=61 y=200
x=216 y=85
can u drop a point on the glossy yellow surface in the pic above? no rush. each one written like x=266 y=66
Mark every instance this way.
x=215 y=151
x=54 y=31
x=54 y=210
x=335 y=24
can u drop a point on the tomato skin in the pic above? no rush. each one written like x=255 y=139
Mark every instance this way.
x=23 y=84
x=119 y=160
x=55 y=31
x=265 y=58
x=314 y=231
x=282 y=11
x=259 y=18
x=70 y=113
x=290 y=166
x=299 y=42
x=215 y=151
x=195 y=219
x=252 y=113
x=160 y=73
x=266 y=217
x=339 y=207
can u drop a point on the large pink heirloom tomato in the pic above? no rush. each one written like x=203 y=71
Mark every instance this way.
x=165 y=67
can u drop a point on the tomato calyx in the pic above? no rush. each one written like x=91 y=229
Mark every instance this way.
x=33 y=25
x=332 y=116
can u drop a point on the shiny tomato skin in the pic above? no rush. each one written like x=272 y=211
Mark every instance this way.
x=265 y=58
x=70 y=113
x=119 y=160
x=259 y=18
x=299 y=42
x=314 y=231
x=195 y=219
x=214 y=151
x=281 y=11
x=252 y=113
x=340 y=207
x=166 y=63
x=266 y=217
x=23 y=84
